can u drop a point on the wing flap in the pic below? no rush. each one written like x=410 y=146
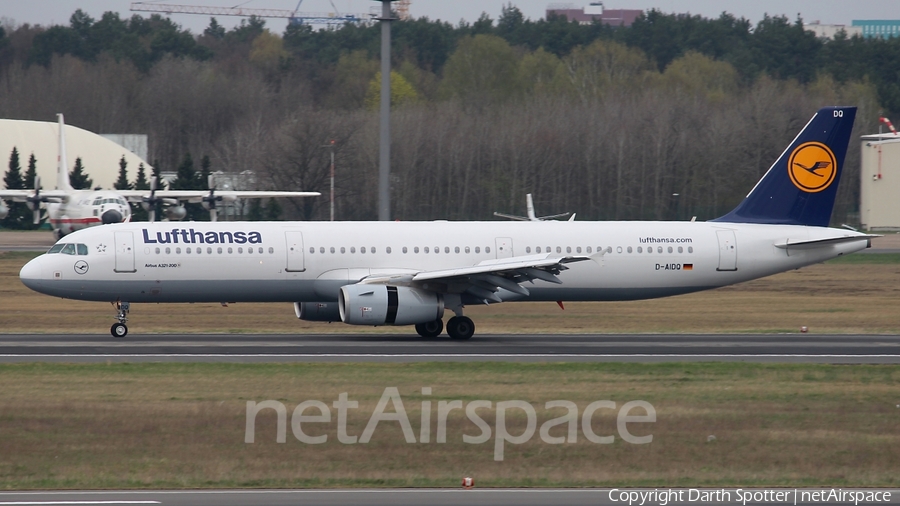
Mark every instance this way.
x=542 y=262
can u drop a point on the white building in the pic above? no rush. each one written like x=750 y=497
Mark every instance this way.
x=879 y=199
x=830 y=31
x=99 y=156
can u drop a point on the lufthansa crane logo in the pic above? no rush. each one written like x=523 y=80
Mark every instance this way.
x=812 y=167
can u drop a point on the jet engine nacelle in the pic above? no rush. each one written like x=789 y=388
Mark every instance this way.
x=388 y=305
x=317 y=311
x=223 y=199
x=4 y=210
x=176 y=213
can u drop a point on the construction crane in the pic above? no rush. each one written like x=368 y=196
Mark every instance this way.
x=294 y=16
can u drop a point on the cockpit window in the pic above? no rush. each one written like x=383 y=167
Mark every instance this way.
x=82 y=249
x=56 y=248
x=68 y=249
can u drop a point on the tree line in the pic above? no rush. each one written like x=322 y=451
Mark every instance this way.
x=609 y=122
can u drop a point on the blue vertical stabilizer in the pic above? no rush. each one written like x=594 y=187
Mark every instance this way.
x=800 y=187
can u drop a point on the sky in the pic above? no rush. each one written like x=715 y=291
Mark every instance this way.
x=50 y=12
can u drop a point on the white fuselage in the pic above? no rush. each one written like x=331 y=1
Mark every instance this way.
x=310 y=261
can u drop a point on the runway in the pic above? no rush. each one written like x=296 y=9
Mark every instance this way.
x=796 y=348
x=442 y=497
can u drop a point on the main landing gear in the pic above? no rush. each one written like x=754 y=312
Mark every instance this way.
x=458 y=327
x=120 y=330
x=430 y=329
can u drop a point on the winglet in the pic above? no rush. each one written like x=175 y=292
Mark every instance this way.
x=800 y=187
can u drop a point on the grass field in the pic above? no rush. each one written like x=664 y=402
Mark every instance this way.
x=855 y=294
x=183 y=426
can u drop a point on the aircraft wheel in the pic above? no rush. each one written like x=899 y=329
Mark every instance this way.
x=430 y=329
x=118 y=330
x=460 y=327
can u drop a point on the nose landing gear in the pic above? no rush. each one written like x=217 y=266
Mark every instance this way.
x=120 y=330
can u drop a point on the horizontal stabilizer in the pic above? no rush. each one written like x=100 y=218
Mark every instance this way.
x=816 y=243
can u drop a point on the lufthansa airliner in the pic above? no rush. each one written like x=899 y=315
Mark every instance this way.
x=412 y=273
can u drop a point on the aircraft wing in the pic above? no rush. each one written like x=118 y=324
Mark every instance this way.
x=483 y=280
x=196 y=196
x=22 y=195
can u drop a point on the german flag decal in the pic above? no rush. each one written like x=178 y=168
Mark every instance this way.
x=688 y=267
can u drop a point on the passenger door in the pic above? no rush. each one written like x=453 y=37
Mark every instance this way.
x=295 y=258
x=124 y=252
x=727 y=250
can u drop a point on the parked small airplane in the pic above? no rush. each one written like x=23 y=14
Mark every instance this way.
x=529 y=209
x=69 y=209
x=408 y=273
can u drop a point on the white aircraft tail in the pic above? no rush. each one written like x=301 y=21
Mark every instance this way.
x=62 y=168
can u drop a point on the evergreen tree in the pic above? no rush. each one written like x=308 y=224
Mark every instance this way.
x=138 y=213
x=19 y=215
x=141 y=182
x=78 y=178
x=186 y=177
x=214 y=30
x=122 y=183
x=28 y=183
x=255 y=213
x=13 y=178
x=157 y=173
x=31 y=172
x=273 y=210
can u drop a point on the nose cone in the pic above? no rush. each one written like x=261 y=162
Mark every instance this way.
x=111 y=216
x=32 y=274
